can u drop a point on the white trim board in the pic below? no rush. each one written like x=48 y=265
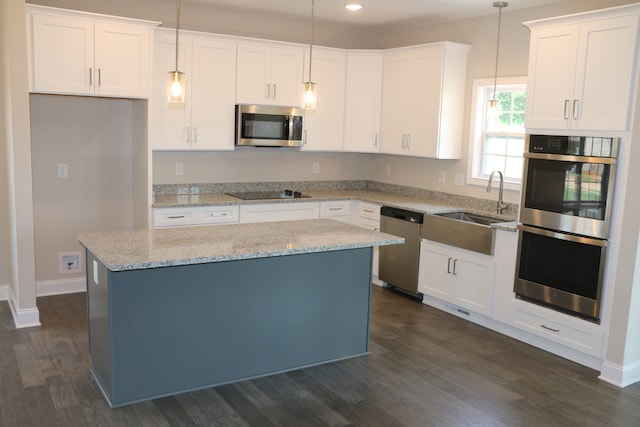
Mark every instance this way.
x=61 y=286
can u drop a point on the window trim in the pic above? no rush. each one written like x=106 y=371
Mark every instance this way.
x=475 y=125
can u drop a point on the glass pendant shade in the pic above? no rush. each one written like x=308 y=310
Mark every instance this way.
x=176 y=88
x=310 y=99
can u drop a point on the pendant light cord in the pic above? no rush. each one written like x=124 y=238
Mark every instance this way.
x=177 y=32
x=499 y=5
x=311 y=44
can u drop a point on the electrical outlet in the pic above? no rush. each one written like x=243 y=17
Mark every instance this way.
x=95 y=272
x=442 y=177
x=316 y=167
x=63 y=170
x=69 y=262
x=179 y=168
x=387 y=170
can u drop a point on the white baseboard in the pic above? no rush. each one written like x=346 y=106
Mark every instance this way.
x=620 y=376
x=60 y=287
x=23 y=318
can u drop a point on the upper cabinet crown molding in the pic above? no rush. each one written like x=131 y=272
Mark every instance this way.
x=582 y=70
x=79 y=53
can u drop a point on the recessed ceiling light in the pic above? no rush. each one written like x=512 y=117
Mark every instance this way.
x=353 y=6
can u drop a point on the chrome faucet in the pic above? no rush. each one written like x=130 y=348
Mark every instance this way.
x=500 y=206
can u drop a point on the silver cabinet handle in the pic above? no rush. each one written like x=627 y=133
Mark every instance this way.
x=375 y=140
x=404 y=140
x=566 y=109
x=548 y=328
x=274 y=91
x=368 y=210
x=195 y=135
x=188 y=134
x=176 y=217
x=449 y=265
x=90 y=76
x=217 y=214
x=455 y=267
x=575 y=109
x=335 y=209
x=99 y=76
x=304 y=138
x=408 y=141
x=267 y=90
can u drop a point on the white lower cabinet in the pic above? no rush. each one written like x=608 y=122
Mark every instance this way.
x=340 y=210
x=456 y=276
x=195 y=215
x=560 y=328
x=367 y=215
x=268 y=212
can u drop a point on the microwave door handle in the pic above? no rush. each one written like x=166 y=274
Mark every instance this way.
x=289 y=127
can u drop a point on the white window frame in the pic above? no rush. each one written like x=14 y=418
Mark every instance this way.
x=479 y=109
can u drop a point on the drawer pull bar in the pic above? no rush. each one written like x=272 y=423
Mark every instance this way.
x=548 y=328
x=176 y=217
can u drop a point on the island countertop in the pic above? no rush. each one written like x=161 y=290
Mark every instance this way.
x=153 y=248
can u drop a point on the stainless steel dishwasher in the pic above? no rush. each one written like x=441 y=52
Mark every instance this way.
x=399 y=263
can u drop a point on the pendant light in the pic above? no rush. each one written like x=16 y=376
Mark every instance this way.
x=493 y=103
x=310 y=89
x=176 y=83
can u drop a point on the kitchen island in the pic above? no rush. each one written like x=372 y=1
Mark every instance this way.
x=180 y=309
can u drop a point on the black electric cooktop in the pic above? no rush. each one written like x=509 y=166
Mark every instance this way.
x=268 y=195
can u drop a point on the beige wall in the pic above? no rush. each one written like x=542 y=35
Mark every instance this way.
x=95 y=137
x=16 y=171
x=5 y=254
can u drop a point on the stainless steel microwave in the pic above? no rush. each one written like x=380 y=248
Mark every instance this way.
x=269 y=126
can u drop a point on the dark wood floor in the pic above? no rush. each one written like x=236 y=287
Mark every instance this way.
x=426 y=368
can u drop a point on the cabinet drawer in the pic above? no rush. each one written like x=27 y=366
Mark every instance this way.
x=370 y=224
x=172 y=217
x=288 y=211
x=572 y=332
x=218 y=214
x=339 y=208
x=369 y=210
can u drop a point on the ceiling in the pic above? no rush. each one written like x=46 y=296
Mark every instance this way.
x=375 y=12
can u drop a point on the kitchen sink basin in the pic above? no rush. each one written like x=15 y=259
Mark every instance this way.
x=471 y=217
x=466 y=230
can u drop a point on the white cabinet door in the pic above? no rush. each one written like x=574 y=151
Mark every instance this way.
x=423 y=100
x=76 y=54
x=269 y=74
x=62 y=55
x=363 y=101
x=121 y=60
x=213 y=94
x=324 y=126
x=457 y=276
x=206 y=122
x=581 y=74
x=169 y=127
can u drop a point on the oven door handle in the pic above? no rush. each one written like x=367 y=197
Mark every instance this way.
x=566 y=158
x=563 y=236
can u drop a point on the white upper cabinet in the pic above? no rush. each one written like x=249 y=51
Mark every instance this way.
x=363 y=101
x=77 y=53
x=270 y=73
x=206 y=122
x=324 y=126
x=582 y=70
x=423 y=100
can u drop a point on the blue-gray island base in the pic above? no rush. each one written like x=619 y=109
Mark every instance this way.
x=160 y=331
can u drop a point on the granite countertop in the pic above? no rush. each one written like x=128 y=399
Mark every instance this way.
x=143 y=249
x=425 y=206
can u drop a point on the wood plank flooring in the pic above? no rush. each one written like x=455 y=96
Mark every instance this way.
x=426 y=368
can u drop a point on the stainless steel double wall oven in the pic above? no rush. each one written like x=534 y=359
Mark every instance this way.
x=565 y=218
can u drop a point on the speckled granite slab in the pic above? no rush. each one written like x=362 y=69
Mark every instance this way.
x=142 y=249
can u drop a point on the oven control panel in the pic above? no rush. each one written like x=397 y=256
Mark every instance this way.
x=573 y=145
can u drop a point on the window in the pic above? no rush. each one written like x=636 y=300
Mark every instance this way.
x=497 y=139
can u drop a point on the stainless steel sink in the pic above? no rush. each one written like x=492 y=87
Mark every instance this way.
x=466 y=230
